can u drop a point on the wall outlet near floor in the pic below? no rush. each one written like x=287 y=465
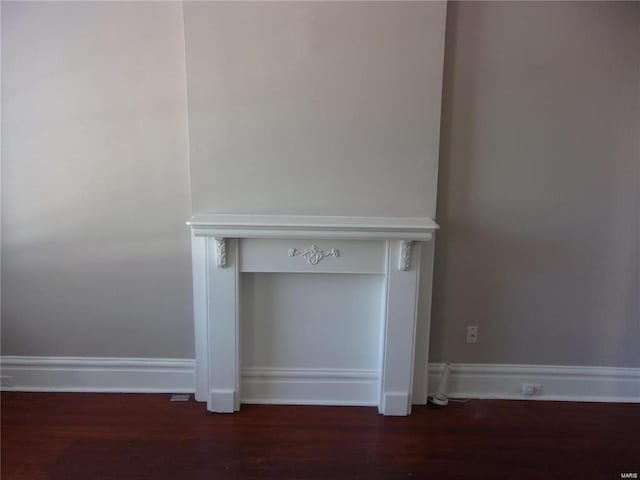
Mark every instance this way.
x=472 y=334
x=529 y=389
x=6 y=381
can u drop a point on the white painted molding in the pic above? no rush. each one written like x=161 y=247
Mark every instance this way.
x=314 y=255
x=221 y=252
x=559 y=382
x=342 y=374
x=91 y=374
x=313 y=227
x=160 y=375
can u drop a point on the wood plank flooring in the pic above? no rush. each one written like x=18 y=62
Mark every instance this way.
x=82 y=436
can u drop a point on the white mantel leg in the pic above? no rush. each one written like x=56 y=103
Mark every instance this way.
x=223 y=328
x=399 y=329
x=199 y=265
x=423 y=325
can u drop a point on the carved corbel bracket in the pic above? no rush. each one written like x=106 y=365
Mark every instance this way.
x=221 y=252
x=405 y=255
x=406 y=247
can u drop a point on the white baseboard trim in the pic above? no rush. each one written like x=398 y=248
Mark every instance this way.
x=309 y=386
x=559 y=382
x=92 y=374
x=315 y=386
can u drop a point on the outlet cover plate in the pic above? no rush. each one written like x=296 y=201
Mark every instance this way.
x=472 y=334
x=530 y=389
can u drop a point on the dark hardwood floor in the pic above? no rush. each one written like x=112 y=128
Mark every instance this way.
x=130 y=436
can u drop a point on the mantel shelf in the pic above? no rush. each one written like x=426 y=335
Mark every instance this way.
x=313 y=227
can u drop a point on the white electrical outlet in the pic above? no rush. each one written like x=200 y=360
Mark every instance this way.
x=529 y=389
x=472 y=334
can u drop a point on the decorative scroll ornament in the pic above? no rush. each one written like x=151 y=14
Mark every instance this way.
x=314 y=254
x=405 y=255
x=221 y=252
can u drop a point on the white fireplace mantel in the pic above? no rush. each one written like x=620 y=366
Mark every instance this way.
x=226 y=246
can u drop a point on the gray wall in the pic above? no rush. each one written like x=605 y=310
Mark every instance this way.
x=326 y=108
x=538 y=183
x=95 y=184
x=538 y=187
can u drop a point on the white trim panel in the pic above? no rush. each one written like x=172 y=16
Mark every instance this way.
x=565 y=383
x=344 y=256
x=309 y=386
